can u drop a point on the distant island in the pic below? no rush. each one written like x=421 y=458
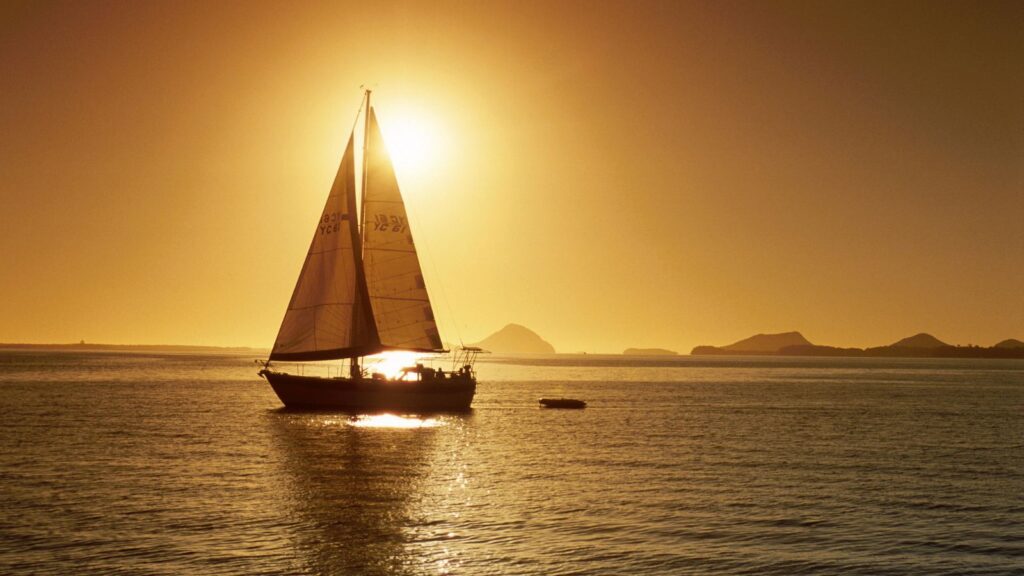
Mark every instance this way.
x=178 y=348
x=515 y=339
x=917 y=346
x=649 y=352
x=757 y=344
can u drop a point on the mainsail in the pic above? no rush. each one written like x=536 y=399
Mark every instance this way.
x=359 y=292
x=328 y=316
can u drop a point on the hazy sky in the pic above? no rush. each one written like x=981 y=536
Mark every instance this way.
x=608 y=174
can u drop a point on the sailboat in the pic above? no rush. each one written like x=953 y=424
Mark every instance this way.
x=361 y=292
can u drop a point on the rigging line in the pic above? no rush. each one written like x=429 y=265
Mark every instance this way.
x=433 y=265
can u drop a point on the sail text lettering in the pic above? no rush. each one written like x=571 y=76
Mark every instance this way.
x=389 y=223
x=330 y=223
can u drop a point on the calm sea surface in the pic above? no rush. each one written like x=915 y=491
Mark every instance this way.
x=183 y=464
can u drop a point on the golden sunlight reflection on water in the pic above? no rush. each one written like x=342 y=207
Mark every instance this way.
x=393 y=421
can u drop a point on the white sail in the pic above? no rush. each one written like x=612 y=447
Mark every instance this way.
x=328 y=315
x=398 y=295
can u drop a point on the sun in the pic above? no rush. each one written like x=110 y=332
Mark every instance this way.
x=415 y=141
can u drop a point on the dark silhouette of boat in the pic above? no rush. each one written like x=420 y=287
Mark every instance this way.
x=419 y=390
x=562 y=403
x=361 y=292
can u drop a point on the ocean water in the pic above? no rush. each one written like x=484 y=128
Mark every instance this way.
x=117 y=463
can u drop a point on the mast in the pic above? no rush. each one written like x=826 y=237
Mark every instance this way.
x=355 y=371
x=357 y=233
x=362 y=290
x=366 y=140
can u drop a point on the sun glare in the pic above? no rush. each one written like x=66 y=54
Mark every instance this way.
x=390 y=364
x=415 y=143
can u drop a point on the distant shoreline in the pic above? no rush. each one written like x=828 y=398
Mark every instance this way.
x=878 y=352
x=88 y=347
x=788 y=351
x=921 y=345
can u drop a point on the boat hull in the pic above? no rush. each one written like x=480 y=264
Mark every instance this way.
x=365 y=395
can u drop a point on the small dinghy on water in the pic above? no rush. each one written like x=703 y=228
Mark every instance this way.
x=562 y=403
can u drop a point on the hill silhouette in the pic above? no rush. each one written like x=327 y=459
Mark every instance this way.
x=649 y=352
x=516 y=339
x=757 y=344
x=921 y=340
x=1010 y=343
x=917 y=346
x=768 y=342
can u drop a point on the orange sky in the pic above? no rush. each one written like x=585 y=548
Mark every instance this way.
x=608 y=174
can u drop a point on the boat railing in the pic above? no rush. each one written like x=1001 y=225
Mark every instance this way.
x=463 y=358
x=304 y=369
